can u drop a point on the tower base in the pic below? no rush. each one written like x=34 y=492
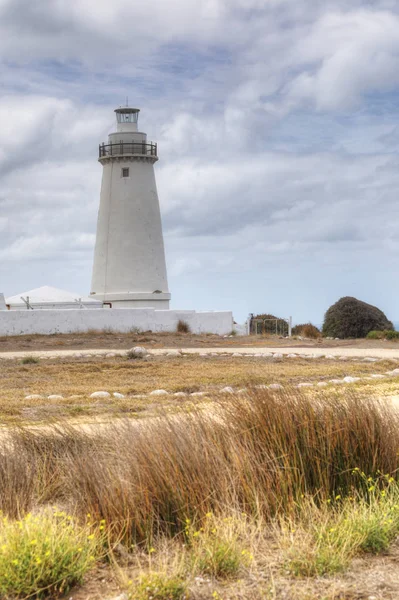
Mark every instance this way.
x=157 y=300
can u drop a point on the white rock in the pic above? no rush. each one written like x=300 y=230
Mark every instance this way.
x=343 y=358
x=227 y=390
x=138 y=351
x=203 y=354
x=275 y=386
x=258 y=355
x=236 y=354
x=370 y=359
x=330 y=357
x=262 y=387
x=118 y=395
x=242 y=391
x=277 y=355
x=110 y=355
x=292 y=355
x=55 y=397
x=267 y=354
x=336 y=381
x=303 y=385
x=159 y=393
x=377 y=376
x=198 y=394
x=395 y=372
x=34 y=397
x=180 y=394
x=173 y=353
x=100 y=395
x=349 y=379
x=322 y=384
x=122 y=596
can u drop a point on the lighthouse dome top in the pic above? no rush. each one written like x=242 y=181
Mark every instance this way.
x=126 y=114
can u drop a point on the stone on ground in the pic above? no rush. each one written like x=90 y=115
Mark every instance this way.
x=159 y=393
x=138 y=352
x=100 y=394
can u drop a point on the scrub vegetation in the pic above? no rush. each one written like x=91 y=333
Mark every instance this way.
x=248 y=497
x=352 y=318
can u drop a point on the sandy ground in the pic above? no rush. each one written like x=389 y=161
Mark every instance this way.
x=314 y=351
x=100 y=339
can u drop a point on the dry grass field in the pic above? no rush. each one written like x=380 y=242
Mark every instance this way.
x=107 y=339
x=277 y=495
x=77 y=379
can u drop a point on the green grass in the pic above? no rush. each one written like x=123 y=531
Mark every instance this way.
x=325 y=538
x=29 y=360
x=44 y=554
x=157 y=586
x=215 y=547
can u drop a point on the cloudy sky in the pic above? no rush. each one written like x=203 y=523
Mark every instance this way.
x=278 y=130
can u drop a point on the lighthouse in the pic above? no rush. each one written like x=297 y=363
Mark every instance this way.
x=129 y=259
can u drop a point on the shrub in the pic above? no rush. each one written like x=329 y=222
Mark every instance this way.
x=380 y=335
x=391 y=335
x=352 y=318
x=44 y=554
x=215 y=547
x=323 y=539
x=158 y=586
x=29 y=360
x=183 y=327
x=375 y=335
x=307 y=330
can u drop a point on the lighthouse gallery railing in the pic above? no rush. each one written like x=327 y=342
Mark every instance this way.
x=127 y=148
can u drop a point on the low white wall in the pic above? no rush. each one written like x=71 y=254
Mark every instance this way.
x=122 y=320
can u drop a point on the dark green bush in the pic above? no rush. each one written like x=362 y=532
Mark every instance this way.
x=352 y=318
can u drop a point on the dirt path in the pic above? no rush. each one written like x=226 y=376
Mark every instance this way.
x=388 y=353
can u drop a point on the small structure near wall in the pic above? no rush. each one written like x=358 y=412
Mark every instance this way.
x=269 y=324
x=47 y=297
x=2 y=302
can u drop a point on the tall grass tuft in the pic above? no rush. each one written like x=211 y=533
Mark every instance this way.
x=183 y=327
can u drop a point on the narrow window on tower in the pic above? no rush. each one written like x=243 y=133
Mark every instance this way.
x=125 y=172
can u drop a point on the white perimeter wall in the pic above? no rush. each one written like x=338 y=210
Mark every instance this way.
x=123 y=320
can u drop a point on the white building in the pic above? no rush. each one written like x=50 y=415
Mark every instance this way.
x=47 y=297
x=129 y=268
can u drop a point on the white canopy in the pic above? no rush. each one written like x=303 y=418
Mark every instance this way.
x=50 y=297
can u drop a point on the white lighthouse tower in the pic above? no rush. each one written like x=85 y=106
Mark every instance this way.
x=129 y=260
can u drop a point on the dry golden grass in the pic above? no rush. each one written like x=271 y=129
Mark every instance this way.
x=81 y=377
x=197 y=494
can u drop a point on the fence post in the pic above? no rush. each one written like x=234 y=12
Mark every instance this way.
x=290 y=327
